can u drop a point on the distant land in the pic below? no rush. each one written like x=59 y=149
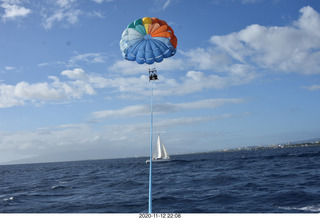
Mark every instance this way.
x=304 y=143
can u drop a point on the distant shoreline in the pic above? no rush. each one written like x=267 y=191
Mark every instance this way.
x=305 y=144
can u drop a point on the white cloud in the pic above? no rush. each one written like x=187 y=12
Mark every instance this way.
x=64 y=12
x=166 y=4
x=289 y=49
x=239 y=57
x=186 y=121
x=77 y=73
x=119 y=131
x=100 y=1
x=163 y=4
x=49 y=140
x=251 y=1
x=142 y=110
x=65 y=3
x=7 y=98
x=82 y=141
x=207 y=59
x=97 y=14
x=15 y=95
x=242 y=1
x=87 y=58
x=76 y=83
x=8 y=68
x=312 y=87
x=129 y=111
x=19 y=94
x=227 y=74
x=197 y=81
x=132 y=68
x=70 y=17
x=38 y=91
x=128 y=68
x=13 y=10
x=74 y=142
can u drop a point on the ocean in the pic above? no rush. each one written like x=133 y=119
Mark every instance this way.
x=281 y=180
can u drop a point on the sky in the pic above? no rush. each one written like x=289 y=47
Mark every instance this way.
x=246 y=72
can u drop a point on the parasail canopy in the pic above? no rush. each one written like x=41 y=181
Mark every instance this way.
x=148 y=40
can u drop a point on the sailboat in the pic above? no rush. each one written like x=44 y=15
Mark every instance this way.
x=160 y=153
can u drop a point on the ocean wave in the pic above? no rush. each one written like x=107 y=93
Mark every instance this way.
x=59 y=187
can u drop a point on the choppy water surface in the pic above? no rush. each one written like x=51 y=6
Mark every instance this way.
x=261 y=181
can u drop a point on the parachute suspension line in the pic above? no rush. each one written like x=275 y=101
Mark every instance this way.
x=154 y=67
x=152 y=77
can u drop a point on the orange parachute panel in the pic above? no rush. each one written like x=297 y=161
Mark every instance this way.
x=160 y=30
x=162 y=34
x=174 y=41
x=155 y=20
x=162 y=22
x=170 y=29
x=153 y=27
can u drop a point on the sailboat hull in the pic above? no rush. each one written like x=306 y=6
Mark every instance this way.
x=158 y=160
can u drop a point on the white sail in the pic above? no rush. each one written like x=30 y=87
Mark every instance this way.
x=159 y=150
x=165 y=153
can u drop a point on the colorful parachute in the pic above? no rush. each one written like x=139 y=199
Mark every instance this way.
x=148 y=40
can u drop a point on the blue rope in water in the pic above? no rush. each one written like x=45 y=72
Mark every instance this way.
x=150 y=169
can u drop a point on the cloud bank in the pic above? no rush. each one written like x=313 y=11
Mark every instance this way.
x=13 y=10
x=288 y=49
x=143 y=110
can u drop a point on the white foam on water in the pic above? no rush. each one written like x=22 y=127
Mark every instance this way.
x=8 y=199
x=311 y=208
